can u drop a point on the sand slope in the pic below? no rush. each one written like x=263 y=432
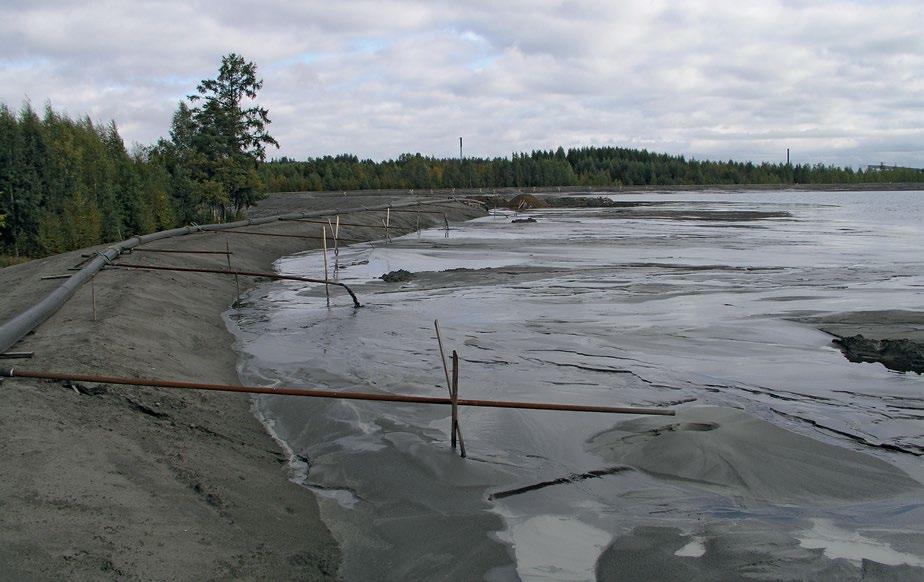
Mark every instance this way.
x=102 y=482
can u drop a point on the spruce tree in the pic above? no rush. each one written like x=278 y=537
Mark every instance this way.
x=222 y=139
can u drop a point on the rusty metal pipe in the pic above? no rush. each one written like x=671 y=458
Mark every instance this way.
x=241 y=273
x=305 y=236
x=313 y=393
x=423 y=210
x=137 y=250
x=326 y=222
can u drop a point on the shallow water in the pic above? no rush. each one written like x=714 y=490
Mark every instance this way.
x=680 y=301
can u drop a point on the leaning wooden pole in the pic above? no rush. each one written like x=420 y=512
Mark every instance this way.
x=439 y=340
x=455 y=428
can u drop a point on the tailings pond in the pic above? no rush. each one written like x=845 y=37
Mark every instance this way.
x=784 y=460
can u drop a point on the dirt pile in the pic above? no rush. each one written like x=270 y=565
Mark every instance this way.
x=525 y=202
x=901 y=355
x=398 y=276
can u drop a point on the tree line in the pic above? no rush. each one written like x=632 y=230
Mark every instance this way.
x=70 y=183
x=67 y=184
x=589 y=166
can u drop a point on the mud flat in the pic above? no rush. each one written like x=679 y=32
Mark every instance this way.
x=757 y=463
x=786 y=460
x=107 y=482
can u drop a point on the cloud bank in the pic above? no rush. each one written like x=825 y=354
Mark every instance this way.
x=837 y=81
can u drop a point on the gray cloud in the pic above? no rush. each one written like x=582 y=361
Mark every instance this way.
x=838 y=81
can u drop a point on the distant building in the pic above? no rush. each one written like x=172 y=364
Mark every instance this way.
x=882 y=168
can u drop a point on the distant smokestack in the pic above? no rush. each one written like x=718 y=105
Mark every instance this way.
x=787 y=156
x=460 y=149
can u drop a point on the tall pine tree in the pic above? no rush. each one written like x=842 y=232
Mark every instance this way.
x=221 y=140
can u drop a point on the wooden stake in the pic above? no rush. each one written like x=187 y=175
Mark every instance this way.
x=387 y=223
x=456 y=428
x=326 y=286
x=337 y=249
x=452 y=397
x=418 y=221
x=237 y=281
x=335 y=229
x=93 y=296
x=446 y=222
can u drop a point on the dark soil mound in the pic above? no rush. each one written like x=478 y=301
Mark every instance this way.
x=525 y=201
x=901 y=355
x=399 y=276
x=588 y=202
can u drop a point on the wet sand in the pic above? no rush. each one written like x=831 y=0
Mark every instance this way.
x=106 y=482
x=755 y=462
x=726 y=450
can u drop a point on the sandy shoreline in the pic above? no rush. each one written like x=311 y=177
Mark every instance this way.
x=109 y=482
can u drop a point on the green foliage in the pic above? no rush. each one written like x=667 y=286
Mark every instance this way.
x=220 y=142
x=9 y=261
x=67 y=183
x=575 y=167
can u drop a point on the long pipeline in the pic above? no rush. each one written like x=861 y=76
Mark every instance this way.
x=313 y=393
x=16 y=328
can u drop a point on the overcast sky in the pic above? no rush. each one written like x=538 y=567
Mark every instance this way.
x=837 y=81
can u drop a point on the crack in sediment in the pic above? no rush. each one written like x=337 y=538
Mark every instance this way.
x=777 y=394
x=851 y=436
x=878 y=397
x=591 y=369
x=577 y=353
x=572 y=478
x=504 y=362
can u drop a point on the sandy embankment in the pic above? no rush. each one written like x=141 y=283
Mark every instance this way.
x=118 y=482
